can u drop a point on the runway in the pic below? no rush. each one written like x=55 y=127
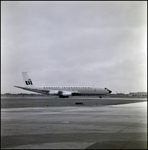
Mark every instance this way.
x=98 y=126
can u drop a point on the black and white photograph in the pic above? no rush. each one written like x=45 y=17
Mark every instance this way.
x=74 y=74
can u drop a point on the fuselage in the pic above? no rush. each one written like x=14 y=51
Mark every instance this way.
x=78 y=89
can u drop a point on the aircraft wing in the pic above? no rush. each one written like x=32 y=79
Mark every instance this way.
x=33 y=89
x=49 y=92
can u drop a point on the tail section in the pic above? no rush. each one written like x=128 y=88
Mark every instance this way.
x=27 y=80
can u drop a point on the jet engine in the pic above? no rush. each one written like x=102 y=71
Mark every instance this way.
x=66 y=93
x=53 y=92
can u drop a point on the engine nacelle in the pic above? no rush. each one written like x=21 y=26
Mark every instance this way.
x=66 y=93
x=53 y=92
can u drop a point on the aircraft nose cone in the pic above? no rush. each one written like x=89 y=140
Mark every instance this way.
x=110 y=91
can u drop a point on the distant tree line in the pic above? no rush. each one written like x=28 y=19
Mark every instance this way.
x=137 y=94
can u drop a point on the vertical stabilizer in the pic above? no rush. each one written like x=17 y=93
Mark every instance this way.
x=27 y=80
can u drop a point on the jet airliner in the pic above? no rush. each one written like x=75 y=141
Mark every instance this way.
x=63 y=91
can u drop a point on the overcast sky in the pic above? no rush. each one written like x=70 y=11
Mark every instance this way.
x=74 y=44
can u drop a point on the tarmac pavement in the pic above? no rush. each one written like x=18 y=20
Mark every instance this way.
x=121 y=126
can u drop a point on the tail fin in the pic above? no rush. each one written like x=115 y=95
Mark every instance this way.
x=27 y=79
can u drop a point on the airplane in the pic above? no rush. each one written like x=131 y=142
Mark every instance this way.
x=63 y=91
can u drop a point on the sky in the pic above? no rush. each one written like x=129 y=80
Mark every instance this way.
x=74 y=43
